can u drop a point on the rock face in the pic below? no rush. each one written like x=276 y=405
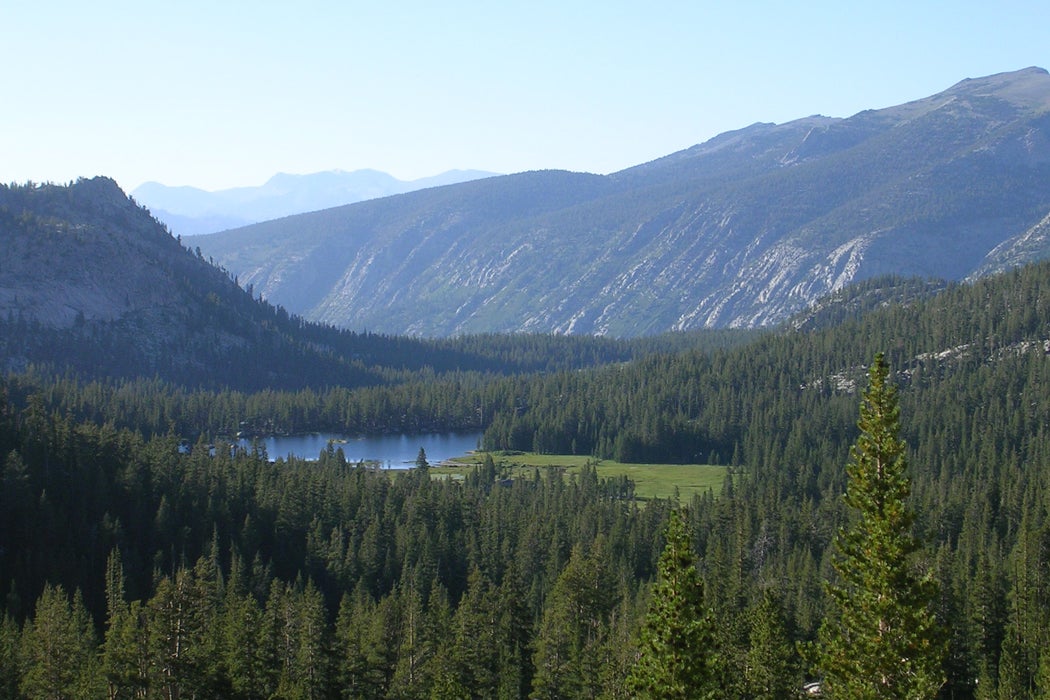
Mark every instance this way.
x=91 y=282
x=742 y=230
x=84 y=252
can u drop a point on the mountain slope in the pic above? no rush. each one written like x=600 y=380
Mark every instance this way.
x=192 y=211
x=94 y=284
x=742 y=230
x=91 y=282
x=86 y=253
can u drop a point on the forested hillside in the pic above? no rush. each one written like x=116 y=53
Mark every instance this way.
x=92 y=285
x=221 y=574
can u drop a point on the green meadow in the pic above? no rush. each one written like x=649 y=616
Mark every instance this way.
x=651 y=480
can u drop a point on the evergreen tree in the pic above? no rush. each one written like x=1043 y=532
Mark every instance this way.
x=771 y=670
x=474 y=653
x=408 y=681
x=10 y=642
x=299 y=615
x=988 y=623
x=1042 y=680
x=355 y=670
x=125 y=648
x=58 y=648
x=882 y=640
x=439 y=676
x=177 y=620
x=245 y=647
x=617 y=654
x=574 y=619
x=677 y=658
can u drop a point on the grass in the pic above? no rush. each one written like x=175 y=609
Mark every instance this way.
x=650 y=480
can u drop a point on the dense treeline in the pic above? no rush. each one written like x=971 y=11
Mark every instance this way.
x=152 y=407
x=220 y=574
x=500 y=568
x=430 y=395
x=709 y=401
x=975 y=372
x=362 y=383
x=279 y=352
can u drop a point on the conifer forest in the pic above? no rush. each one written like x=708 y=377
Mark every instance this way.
x=882 y=530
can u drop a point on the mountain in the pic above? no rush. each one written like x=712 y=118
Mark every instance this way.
x=97 y=499
x=91 y=283
x=92 y=286
x=191 y=211
x=86 y=253
x=740 y=231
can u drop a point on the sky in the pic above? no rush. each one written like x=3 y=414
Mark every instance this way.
x=223 y=93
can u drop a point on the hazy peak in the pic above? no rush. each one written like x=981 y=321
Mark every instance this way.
x=189 y=210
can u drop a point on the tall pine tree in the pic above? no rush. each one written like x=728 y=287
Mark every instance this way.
x=881 y=640
x=677 y=659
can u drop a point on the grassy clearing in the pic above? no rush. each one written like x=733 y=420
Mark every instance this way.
x=651 y=480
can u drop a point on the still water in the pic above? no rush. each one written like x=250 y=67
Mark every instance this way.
x=390 y=451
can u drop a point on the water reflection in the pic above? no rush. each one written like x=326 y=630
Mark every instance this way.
x=389 y=451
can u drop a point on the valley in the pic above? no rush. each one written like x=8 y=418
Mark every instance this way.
x=701 y=381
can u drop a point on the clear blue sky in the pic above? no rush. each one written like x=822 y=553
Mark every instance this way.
x=219 y=94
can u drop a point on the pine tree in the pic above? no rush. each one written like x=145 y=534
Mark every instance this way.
x=1042 y=679
x=10 y=643
x=355 y=671
x=296 y=616
x=677 y=658
x=59 y=651
x=125 y=649
x=408 y=681
x=881 y=640
x=177 y=619
x=245 y=648
x=477 y=635
x=770 y=669
x=574 y=619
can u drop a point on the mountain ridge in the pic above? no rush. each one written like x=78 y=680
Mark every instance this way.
x=742 y=230
x=94 y=285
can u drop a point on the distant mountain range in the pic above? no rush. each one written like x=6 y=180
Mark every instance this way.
x=742 y=230
x=191 y=211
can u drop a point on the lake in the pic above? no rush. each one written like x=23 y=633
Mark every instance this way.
x=390 y=451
